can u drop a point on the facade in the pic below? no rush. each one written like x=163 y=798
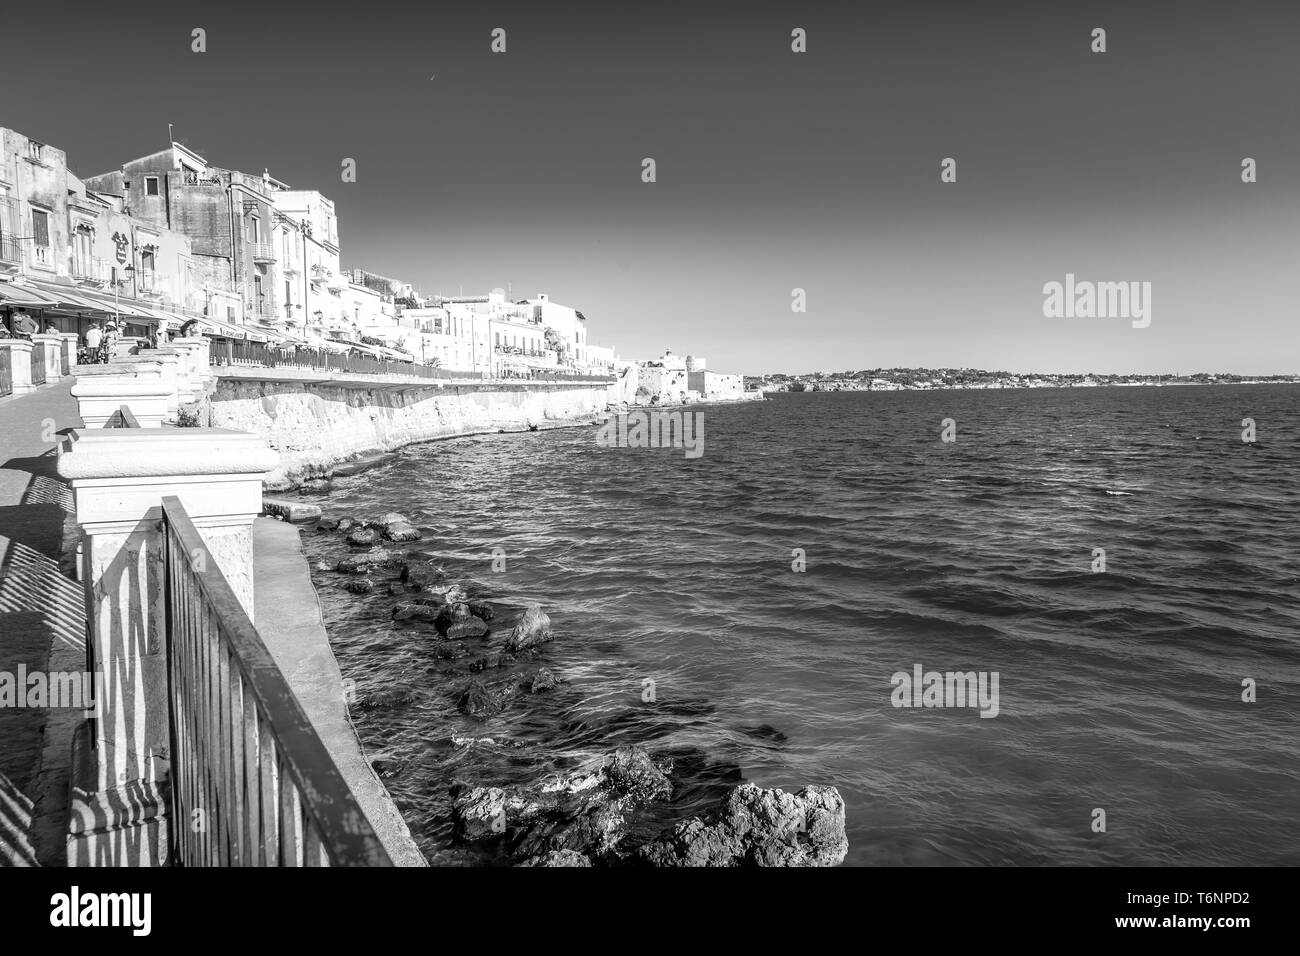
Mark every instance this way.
x=227 y=215
x=79 y=253
x=314 y=292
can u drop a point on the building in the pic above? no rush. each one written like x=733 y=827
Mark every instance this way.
x=313 y=285
x=228 y=216
x=77 y=256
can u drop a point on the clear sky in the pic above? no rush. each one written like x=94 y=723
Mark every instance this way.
x=775 y=170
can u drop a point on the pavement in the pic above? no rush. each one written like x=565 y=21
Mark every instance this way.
x=286 y=612
x=42 y=622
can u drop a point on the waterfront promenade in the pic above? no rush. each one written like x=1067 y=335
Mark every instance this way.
x=42 y=621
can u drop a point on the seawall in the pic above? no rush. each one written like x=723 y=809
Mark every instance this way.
x=315 y=425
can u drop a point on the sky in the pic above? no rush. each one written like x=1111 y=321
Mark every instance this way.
x=775 y=170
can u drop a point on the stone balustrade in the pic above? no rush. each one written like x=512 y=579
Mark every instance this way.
x=122 y=759
x=18 y=353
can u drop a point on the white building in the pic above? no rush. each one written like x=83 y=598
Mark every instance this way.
x=307 y=232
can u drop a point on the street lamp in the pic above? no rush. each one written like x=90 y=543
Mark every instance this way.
x=128 y=269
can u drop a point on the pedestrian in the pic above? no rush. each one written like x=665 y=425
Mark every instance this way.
x=24 y=324
x=51 y=328
x=161 y=334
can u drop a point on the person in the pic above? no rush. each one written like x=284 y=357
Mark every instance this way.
x=24 y=324
x=94 y=339
x=161 y=334
x=111 y=335
x=191 y=327
x=51 y=328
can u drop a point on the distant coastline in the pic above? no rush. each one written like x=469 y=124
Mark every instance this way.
x=896 y=380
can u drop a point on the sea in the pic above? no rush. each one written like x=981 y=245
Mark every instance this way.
x=1121 y=558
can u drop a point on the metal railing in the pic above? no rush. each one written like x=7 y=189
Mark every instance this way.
x=246 y=762
x=122 y=418
x=252 y=353
x=38 y=363
x=11 y=250
x=262 y=251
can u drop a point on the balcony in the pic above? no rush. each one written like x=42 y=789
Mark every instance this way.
x=94 y=270
x=262 y=251
x=11 y=250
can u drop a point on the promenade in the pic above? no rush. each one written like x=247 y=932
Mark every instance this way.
x=42 y=621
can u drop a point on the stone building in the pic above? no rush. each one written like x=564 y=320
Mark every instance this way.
x=228 y=216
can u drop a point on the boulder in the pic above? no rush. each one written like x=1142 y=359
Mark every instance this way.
x=758 y=827
x=558 y=858
x=480 y=813
x=327 y=524
x=347 y=524
x=631 y=771
x=290 y=510
x=360 y=585
x=533 y=628
x=376 y=558
x=478 y=700
x=450 y=614
x=422 y=573
x=416 y=612
x=540 y=680
x=402 y=532
x=481 y=610
x=470 y=627
x=363 y=537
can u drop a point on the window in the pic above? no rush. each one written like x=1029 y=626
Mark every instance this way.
x=257 y=293
x=41 y=235
x=33 y=150
x=146 y=269
x=151 y=185
x=254 y=229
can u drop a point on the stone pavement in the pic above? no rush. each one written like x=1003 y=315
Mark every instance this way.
x=42 y=622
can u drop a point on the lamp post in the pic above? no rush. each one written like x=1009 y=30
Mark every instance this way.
x=128 y=269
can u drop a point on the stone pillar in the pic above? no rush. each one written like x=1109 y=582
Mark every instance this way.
x=121 y=774
x=200 y=361
x=100 y=390
x=18 y=353
x=52 y=346
x=69 y=343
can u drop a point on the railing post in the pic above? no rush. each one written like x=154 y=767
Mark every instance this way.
x=121 y=759
x=18 y=353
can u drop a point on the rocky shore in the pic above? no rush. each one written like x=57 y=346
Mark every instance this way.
x=613 y=811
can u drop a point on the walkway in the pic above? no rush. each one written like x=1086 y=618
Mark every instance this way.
x=42 y=623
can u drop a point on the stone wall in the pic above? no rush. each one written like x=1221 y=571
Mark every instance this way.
x=315 y=427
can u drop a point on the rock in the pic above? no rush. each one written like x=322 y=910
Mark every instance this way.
x=316 y=486
x=386 y=765
x=450 y=614
x=327 y=524
x=386 y=697
x=448 y=650
x=533 y=628
x=479 y=700
x=290 y=510
x=540 y=680
x=363 y=537
x=757 y=827
x=481 y=610
x=470 y=627
x=360 y=585
x=391 y=518
x=480 y=813
x=324 y=566
x=376 y=558
x=491 y=661
x=455 y=594
x=402 y=532
x=347 y=524
x=422 y=574
x=558 y=858
x=631 y=771
x=416 y=612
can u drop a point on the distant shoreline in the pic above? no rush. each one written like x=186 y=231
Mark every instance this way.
x=818 y=387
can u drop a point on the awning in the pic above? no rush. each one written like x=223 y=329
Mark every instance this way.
x=210 y=326
x=11 y=294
